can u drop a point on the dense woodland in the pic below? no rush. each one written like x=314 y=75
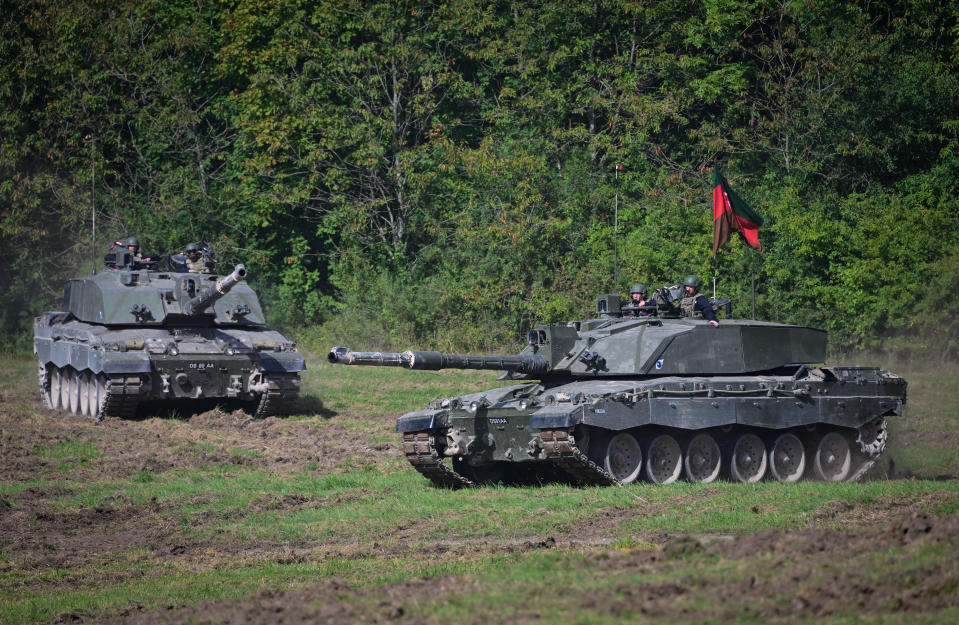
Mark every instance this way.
x=443 y=173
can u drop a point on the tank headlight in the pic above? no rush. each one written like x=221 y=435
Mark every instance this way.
x=230 y=350
x=473 y=406
x=445 y=403
x=172 y=350
x=523 y=404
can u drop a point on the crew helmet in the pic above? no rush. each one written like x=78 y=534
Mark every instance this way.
x=639 y=287
x=132 y=242
x=692 y=280
x=192 y=248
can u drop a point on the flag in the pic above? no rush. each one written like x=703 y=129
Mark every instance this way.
x=731 y=213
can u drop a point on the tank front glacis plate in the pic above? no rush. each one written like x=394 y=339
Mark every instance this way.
x=201 y=375
x=496 y=434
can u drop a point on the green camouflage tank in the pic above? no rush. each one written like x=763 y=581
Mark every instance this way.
x=655 y=397
x=130 y=335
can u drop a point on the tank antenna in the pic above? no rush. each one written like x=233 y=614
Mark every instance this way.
x=619 y=167
x=93 y=201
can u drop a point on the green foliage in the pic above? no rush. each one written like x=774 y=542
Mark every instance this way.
x=442 y=174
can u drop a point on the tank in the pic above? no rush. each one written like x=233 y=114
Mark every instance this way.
x=136 y=334
x=654 y=397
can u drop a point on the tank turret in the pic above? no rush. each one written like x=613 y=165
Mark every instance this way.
x=163 y=298
x=128 y=335
x=654 y=396
x=620 y=347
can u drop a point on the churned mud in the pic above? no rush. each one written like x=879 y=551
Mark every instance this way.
x=871 y=559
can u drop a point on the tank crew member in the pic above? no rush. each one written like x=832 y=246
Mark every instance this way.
x=135 y=258
x=637 y=297
x=196 y=260
x=694 y=304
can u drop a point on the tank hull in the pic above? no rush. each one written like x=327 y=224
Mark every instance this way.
x=99 y=370
x=794 y=423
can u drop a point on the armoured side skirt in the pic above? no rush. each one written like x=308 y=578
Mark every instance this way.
x=690 y=414
x=700 y=413
x=81 y=357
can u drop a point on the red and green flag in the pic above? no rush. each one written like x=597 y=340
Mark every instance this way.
x=731 y=213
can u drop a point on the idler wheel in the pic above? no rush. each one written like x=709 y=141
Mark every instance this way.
x=833 y=460
x=748 y=462
x=872 y=438
x=703 y=459
x=45 y=374
x=623 y=458
x=664 y=460
x=787 y=458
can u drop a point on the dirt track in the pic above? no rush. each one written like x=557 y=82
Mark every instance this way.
x=780 y=576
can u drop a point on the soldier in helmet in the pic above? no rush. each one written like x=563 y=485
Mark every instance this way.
x=132 y=256
x=133 y=245
x=637 y=298
x=694 y=304
x=196 y=260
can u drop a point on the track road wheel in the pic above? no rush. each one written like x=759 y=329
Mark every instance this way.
x=787 y=458
x=664 y=460
x=748 y=461
x=63 y=376
x=56 y=387
x=832 y=461
x=84 y=379
x=74 y=391
x=703 y=459
x=623 y=458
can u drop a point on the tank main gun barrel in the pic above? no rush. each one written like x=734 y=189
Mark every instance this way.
x=532 y=364
x=212 y=293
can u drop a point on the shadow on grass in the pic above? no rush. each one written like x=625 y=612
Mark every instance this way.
x=184 y=410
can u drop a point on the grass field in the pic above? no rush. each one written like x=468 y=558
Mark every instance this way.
x=211 y=518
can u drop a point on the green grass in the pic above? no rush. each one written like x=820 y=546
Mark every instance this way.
x=68 y=451
x=373 y=522
x=381 y=390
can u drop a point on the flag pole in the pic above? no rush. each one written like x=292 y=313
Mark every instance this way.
x=715 y=273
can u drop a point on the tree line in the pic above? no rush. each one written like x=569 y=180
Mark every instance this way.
x=442 y=173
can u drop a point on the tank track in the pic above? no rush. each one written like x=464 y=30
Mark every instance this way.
x=425 y=458
x=871 y=439
x=122 y=396
x=44 y=379
x=560 y=448
x=282 y=391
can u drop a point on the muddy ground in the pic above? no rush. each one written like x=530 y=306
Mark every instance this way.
x=778 y=576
